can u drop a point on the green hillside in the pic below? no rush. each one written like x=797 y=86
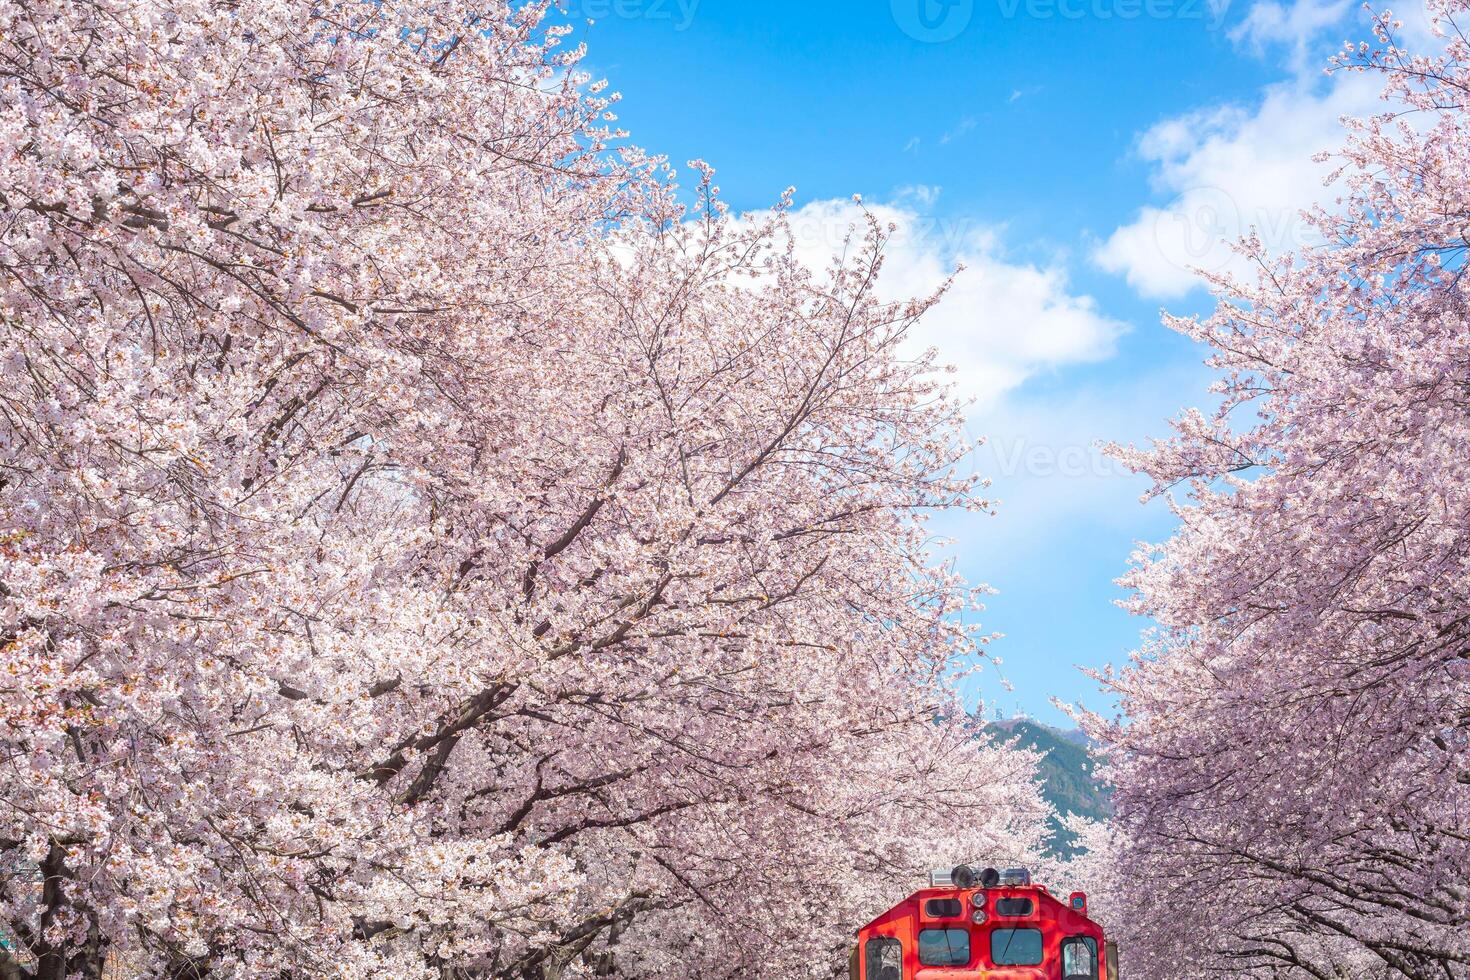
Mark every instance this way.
x=1067 y=773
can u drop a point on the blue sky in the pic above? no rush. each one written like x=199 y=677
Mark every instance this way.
x=1079 y=156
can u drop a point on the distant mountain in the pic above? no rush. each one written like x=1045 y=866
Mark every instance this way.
x=1067 y=773
x=1077 y=737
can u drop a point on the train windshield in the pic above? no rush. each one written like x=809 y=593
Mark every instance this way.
x=945 y=947
x=884 y=959
x=1015 y=947
x=1079 y=958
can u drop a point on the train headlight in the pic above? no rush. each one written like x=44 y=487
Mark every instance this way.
x=978 y=917
x=977 y=899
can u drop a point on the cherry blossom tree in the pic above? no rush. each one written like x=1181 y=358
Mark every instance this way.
x=1294 y=777
x=426 y=549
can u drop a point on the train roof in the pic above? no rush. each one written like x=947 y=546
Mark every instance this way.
x=1039 y=893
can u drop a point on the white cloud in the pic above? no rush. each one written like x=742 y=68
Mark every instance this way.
x=1001 y=322
x=924 y=195
x=1231 y=169
x=961 y=128
x=1063 y=508
x=1051 y=478
x=1304 y=25
x=1296 y=24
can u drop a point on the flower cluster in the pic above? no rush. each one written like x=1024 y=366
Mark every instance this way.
x=1294 y=782
x=428 y=550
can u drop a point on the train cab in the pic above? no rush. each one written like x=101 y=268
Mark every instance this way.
x=984 y=925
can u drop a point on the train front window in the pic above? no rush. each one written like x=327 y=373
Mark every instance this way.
x=1015 y=947
x=1014 y=906
x=883 y=956
x=1079 y=958
x=943 y=908
x=945 y=947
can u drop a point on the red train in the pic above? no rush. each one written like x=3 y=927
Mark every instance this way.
x=985 y=925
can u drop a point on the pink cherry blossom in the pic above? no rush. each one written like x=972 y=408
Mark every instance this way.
x=1294 y=777
x=428 y=550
